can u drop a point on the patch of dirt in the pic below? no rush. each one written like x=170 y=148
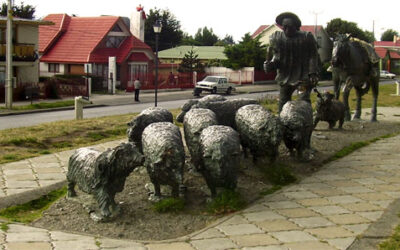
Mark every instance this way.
x=139 y=222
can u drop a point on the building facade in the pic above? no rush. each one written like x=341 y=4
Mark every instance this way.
x=103 y=47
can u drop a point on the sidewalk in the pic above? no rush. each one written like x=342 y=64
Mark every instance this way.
x=353 y=196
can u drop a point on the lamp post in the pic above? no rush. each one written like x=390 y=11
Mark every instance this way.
x=157 y=29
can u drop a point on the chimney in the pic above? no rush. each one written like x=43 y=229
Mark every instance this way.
x=395 y=38
x=137 y=23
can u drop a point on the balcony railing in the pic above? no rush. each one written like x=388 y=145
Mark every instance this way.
x=20 y=52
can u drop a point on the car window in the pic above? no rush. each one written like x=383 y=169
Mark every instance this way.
x=210 y=79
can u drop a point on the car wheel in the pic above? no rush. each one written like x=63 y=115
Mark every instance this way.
x=229 y=91
x=214 y=91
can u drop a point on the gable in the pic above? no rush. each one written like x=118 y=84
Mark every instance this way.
x=49 y=34
x=259 y=30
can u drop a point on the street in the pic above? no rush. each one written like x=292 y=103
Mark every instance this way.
x=24 y=120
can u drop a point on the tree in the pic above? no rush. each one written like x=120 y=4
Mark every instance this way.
x=22 y=11
x=189 y=40
x=247 y=53
x=171 y=33
x=228 y=40
x=338 y=26
x=190 y=62
x=206 y=37
x=388 y=35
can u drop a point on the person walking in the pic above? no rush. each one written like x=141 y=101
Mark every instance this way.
x=294 y=54
x=137 y=86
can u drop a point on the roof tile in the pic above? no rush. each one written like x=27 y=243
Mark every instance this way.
x=79 y=37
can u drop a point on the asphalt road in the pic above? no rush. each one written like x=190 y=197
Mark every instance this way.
x=24 y=120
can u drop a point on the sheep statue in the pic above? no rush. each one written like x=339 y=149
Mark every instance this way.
x=223 y=108
x=329 y=109
x=102 y=174
x=164 y=157
x=193 y=124
x=145 y=118
x=220 y=148
x=193 y=102
x=297 y=120
x=259 y=130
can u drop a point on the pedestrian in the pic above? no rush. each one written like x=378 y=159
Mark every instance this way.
x=294 y=54
x=137 y=86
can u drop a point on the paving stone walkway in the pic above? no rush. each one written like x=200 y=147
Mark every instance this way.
x=326 y=210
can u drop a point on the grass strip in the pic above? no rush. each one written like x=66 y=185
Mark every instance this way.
x=32 y=210
x=43 y=105
x=356 y=145
x=392 y=243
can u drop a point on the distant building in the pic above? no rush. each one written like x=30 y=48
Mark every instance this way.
x=171 y=58
x=389 y=52
x=325 y=44
x=25 y=47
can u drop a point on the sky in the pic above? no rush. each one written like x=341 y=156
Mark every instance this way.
x=236 y=18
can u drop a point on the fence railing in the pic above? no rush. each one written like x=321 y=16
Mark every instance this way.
x=20 y=52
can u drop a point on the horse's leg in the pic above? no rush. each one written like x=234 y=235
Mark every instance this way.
x=346 y=92
x=357 y=114
x=336 y=87
x=375 y=92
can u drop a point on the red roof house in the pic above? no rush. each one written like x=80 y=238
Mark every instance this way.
x=389 y=52
x=75 y=41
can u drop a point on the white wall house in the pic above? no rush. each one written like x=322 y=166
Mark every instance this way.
x=25 y=50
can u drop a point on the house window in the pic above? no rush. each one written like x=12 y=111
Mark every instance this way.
x=114 y=41
x=54 y=67
x=2 y=36
x=137 y=70
x=2 y=75
x=116 y=28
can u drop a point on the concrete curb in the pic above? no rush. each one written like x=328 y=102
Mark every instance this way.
x=26 y=196
x=47 y=110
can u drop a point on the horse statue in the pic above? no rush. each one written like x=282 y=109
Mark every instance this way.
x=355 y=64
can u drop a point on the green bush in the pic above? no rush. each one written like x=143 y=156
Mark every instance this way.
x=169 y=205
x=279 y=174
x=227 y=201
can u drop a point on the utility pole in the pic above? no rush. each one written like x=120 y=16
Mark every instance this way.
x=315 y=13
x=373 y=31
x=9 y=69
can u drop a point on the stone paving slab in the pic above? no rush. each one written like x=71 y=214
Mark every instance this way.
x=327 y=210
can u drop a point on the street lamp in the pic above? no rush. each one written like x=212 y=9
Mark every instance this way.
x=157 y=29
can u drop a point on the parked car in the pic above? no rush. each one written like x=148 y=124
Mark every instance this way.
x=386 y=74
x=214 y=84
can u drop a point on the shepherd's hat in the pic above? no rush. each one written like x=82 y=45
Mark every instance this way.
x=294 y=17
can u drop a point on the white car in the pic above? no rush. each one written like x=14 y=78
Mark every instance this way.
x=214 y=84
x=386 y=74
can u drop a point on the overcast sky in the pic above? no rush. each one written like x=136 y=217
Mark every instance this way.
x=237 y=17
